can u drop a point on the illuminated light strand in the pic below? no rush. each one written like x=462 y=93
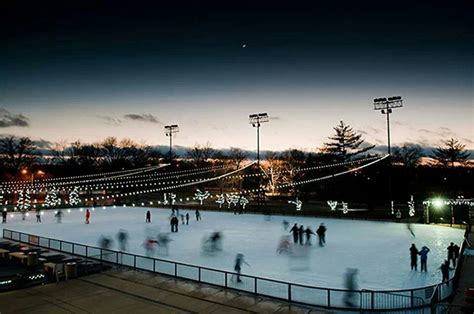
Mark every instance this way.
x=167 y=187
x=113 y=185
x=189 y=171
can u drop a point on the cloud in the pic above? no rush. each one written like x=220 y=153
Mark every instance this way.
x=110 y=120
x=275 y=118
x=42 y=143
x=142 y=118
x=8 y=119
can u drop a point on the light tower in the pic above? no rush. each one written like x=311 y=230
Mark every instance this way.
x=169 y=131
x=385 y=105
x=256 y=120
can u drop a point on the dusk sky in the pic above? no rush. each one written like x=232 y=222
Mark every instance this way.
x=87 y=72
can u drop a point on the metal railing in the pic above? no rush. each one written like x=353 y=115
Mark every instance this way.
x=304 y=294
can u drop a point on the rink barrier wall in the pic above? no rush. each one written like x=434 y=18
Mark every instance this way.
x=304 y=294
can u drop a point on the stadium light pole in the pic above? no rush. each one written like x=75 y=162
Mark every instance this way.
x=385 y=106
x=256 y=120
x=169 y=131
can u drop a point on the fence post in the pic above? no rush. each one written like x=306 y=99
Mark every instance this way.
x=225 y=273
x=87 y=251
x=60 y=246
x=372 y=301
x=49 y=243
x=329 y=297
x=411 y=298
x=100 y=254
x=255 y=284
x=199 y=274
x=154 y=265
x=175 y=270
x=134 y=261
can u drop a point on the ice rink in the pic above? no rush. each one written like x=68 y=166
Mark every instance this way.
x=378 y=249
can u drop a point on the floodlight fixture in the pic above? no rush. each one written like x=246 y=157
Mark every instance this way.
x=169 y=131
x=256 y=120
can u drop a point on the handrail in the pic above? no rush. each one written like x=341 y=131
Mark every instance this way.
x=288 y=292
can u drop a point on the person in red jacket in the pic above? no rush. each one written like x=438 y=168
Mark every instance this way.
x=88 y=216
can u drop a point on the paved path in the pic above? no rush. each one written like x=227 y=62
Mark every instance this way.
x=466 y=276
x=126 y=291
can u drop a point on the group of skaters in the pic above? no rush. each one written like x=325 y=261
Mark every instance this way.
x=300 y=233
x=453 y=251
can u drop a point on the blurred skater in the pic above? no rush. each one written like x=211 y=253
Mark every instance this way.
x=148 y=217
x=198 y=215
x=321 y=234
x=4 y=216
x=182 y=219
x=59 y=216
x=105 y=242
x=284 y=246
x=295 y=232
x=410 y=229
x=88 y=216
x=308 y=233
x=350 y=283
x=163 y=241
x=423 y=257
x=285 y=224
x=187 y=218
x=216 y=241
x=38 y=215
x=239 y=260
x=300 y=234
x=456 y=250
x=413 y=257
x=122 y=238
x=150 y=245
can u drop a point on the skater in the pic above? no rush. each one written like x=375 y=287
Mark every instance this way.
x=284 y=246
x=59 y=216
x=122 y=238
x=215 y=240
x=300 y=234
x=150 y=245
x=286 y=224
x=4 y=216
x=423 y=257
x=182 y=219
x=174 y=224
x=413 y=256
x=187 y=218
x=308 y=233
x=445 y=271
x=105 y=242
x=88 y=216
x=321 y=234
x=198 y=215
x=38 y=215
x=350 y=282
x=451 y=255
x=148 y=217
x=239 y=260
x=295 y=232
x=410 y=229
x=23 y=215
x=163 y=240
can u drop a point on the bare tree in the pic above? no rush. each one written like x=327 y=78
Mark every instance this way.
x=409 y=155
x=237 y=155
x=17 y=152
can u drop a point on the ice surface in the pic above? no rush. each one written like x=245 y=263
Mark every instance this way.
x=378 y=249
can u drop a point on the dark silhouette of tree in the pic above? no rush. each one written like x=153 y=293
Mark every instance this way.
x=452 y=151
x=236 y=156
x=200 y=153
x=409 y=155
x=17 y=152
x=345 y=143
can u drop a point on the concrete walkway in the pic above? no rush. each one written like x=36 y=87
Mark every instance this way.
x=466 y=276
x=125 y=291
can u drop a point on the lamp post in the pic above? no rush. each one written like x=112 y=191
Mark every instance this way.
x=385 y=105
x=169 y=131
x=256 y=120
x=32 y=176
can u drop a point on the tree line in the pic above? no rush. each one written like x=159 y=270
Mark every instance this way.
x=113 y=154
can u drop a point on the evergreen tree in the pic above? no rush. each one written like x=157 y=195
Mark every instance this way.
x=452 y=152
x=52 y=198
x=20 y=201
x=27 y=201
x=345 y=143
